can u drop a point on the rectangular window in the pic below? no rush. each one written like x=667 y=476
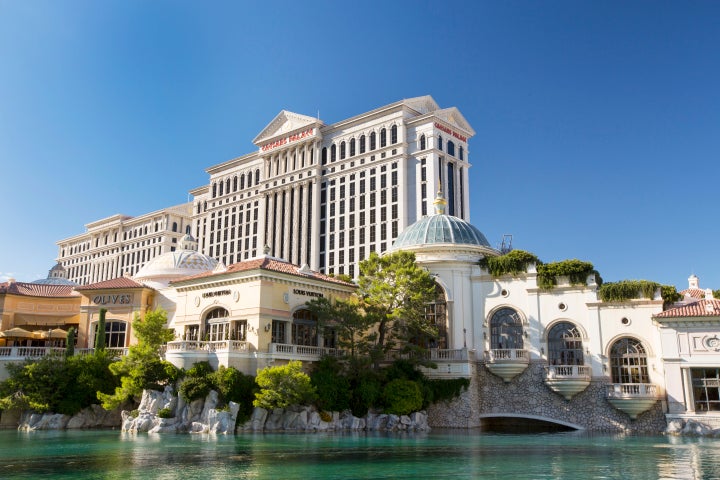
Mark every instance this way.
x=706 y=389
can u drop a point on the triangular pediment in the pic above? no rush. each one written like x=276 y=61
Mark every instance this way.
x=453 y=117
x=284 y=123
x=424 y=104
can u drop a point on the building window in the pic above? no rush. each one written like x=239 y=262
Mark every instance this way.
x=422 y=142
x=628 y=362
x=304 y=328
x=217 y=327
x=706 y=389
x=352 y=147
x=383 y=137
x=279 y=330
x=565 y=345
x=393 y=134
x=114 y=334
x=362 y=144
x=440 y=147
x=436 y=315
x=461 y=154
x=506 y=331
x=333 y=152
x=372 y=141
x=324 y=155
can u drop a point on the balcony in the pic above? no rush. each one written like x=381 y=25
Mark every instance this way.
x=450 y=363
x=507 y=363
x=185 y=353
x=286 y=351
x=567 y=380
x=16 y=354
x=632 y=398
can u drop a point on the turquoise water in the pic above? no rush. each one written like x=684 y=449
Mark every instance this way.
x=437 y=455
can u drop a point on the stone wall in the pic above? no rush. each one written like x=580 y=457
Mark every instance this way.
x=527 y=395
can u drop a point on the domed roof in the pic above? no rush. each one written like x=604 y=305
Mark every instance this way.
x=56 y=276
x=180 y=263
x=440 y=228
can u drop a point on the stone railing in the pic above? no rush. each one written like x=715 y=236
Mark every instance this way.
x=631 y=390
x=507 y=355
x=433 y=355
x=217 y=346
x=303 y=351
x=560 y=372
x=22 y=353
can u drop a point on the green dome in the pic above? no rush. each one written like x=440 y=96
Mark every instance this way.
x=437 y=229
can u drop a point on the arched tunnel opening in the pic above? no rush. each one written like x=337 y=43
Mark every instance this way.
x=521 y=425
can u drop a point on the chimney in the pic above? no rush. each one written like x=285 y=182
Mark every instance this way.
x=693 y=281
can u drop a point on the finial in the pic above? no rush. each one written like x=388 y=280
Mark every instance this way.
x=440 y=202
x=266 y=249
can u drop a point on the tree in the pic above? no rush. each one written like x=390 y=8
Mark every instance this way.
x=283 y=386
x=142 y=368
x=100 y=332
x=70 y=342
x=348 y=320
x=393 y=292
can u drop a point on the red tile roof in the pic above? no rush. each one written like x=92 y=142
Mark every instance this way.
x=271 y=264
x=701 y=308
x=698 y=293
x=120 y=282
x=37 y=289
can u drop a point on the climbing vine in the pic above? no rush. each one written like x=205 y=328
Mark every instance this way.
x=577 y=272
x=513 y=262
x=628 y=289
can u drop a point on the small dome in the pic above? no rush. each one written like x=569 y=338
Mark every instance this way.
x=56 y=276
x=177 y=264
x=440 y=229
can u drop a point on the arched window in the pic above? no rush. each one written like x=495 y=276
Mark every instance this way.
x=220 y=184
x=242 y=182
x=227 y=186
x=372 y=141
x=174 y=227
x=383 y=137
x=333 y=153
x=249 y=179
x=304 y=328
x=342 y=150
x=628 y=362
x=393 y=134
x=217 y=326
x=436 y=314
x=214 y=190
x=440 y=142
x=257 y=176
x=362 y=144
x=461 y=153
x=565 y=345
x=235 y=183
x=422 y=142
x=506 y=330
x=187 y=229
x=352 y=147
x=324 y=155
x=451 y=148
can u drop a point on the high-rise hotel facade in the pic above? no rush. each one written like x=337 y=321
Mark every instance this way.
x=327 y=195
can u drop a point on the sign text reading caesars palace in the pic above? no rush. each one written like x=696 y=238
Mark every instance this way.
x=451 y=132
x=289 y=139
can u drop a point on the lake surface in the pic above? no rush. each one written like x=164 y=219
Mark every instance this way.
x=438 y=455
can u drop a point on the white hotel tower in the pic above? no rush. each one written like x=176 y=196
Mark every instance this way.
x=315 y=194
x=328 y=195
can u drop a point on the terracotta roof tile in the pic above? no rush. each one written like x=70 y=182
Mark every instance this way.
x=701 y=308
x=698 y=293
x=271 y=264
x=36 y=289
x=120 y=282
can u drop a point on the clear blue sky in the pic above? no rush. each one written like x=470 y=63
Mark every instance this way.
x=597 y=122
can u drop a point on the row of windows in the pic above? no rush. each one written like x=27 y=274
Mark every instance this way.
x=224 y=187
x=450 y=146
x=348 y=148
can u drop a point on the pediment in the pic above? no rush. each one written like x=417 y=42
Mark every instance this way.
x=453 y=117
x=424 y=104
x=284 y=123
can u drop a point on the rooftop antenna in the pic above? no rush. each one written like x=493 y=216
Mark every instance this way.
x=506 y=244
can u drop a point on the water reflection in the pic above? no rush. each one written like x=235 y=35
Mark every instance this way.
x=439 y=454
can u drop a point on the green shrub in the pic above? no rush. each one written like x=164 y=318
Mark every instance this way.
x=442 y=389
x=577 y=272
x=627 y=290
x=367 y=390
x=233 y=386
x=194 y=388
x=283 y=386
x=165 y=413
x=402 y=397
x=331 y=385
x=513 y=262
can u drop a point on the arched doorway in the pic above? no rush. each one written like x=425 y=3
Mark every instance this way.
x=506 y=330
x=565 y=345
x=628 y=361
x=217 y=325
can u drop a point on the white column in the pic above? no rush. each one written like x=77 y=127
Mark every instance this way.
x=295 y=223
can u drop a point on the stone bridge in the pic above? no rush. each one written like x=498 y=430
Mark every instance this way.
x=528 y=402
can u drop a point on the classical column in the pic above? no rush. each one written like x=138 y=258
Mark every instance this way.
x=295 y=224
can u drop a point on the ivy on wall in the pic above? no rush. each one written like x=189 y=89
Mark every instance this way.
x=577 y=272
x=629 y=289
x=513 y=262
